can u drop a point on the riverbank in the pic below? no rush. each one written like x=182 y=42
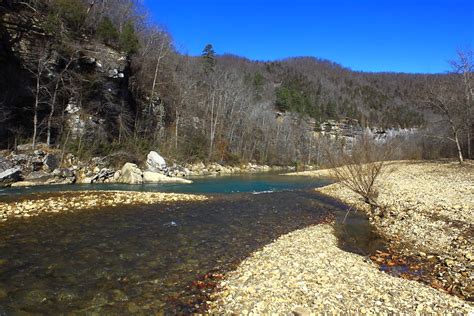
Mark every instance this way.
x=34 y=205
x=305 y=272
x=428 y=219
x=429 y=216
x=45 y=166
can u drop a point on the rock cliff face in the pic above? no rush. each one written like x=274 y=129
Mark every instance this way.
x=100 y=108
x=94 y=91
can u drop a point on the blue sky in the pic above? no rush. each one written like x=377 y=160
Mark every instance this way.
x=369 y=35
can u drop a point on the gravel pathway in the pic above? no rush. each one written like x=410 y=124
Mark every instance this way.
x=304 y=271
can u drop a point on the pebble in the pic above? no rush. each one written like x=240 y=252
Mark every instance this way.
x=351 y=285
x=430 y=209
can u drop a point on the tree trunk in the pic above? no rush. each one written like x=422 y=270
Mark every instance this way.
x=458 y=145
x=469 y=142
x=176 y=132
x=35 y=117
x=212 y=131
x=53 y=99
x=51 y=113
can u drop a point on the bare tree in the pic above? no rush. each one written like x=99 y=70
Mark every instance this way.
x=358 y=168
x=445 y=98
x=59 y=80
x=39 y=71
x=464 y=66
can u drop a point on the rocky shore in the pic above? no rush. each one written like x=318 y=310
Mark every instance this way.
x=427 y=214
x=427 y=218
x=305 y=272
x=35 y=205
x=44 y=166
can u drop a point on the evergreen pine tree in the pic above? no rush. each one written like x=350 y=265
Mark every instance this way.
x=129 y=39
x=106 y=31
x=209 y=59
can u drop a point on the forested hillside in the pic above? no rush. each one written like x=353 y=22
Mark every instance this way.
x=97 y=78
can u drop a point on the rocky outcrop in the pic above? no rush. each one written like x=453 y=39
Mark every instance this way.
x=42 y=167
x=155 y=177
x=130 y=174
x=155 y=163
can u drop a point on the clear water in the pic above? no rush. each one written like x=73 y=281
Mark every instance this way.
x=145 y=260
x=256 y=183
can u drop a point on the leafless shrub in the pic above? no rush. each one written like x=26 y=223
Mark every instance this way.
x=359 y=167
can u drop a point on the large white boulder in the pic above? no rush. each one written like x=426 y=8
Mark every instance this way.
x=130 y=174
x=155 y=162
x=155 y=177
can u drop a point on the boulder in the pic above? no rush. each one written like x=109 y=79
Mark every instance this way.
x=29 y=147
x=50 y=162
x=63 y=173
x=24 y=147
x=131 y=174
x=155 y=162
x=84 y=180
x=116 y=176
x=155 y=177
x=64 y=176
x=39 y=177
x=103 y=175
x=10 y=175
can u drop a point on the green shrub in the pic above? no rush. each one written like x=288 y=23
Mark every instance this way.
x=52 y=24
x=290 y=99
x=128 y=39
x=107 y=32
x=72 y=12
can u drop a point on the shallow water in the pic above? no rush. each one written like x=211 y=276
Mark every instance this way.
x=144 y=259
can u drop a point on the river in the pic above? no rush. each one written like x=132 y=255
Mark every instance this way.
x=156 y=258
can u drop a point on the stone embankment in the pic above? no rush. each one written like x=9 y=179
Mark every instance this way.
x=73 y=201
x=305 y=272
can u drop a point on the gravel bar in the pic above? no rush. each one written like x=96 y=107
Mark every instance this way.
x=305 y=272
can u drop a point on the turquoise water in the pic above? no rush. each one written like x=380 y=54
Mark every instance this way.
x=252 y=183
